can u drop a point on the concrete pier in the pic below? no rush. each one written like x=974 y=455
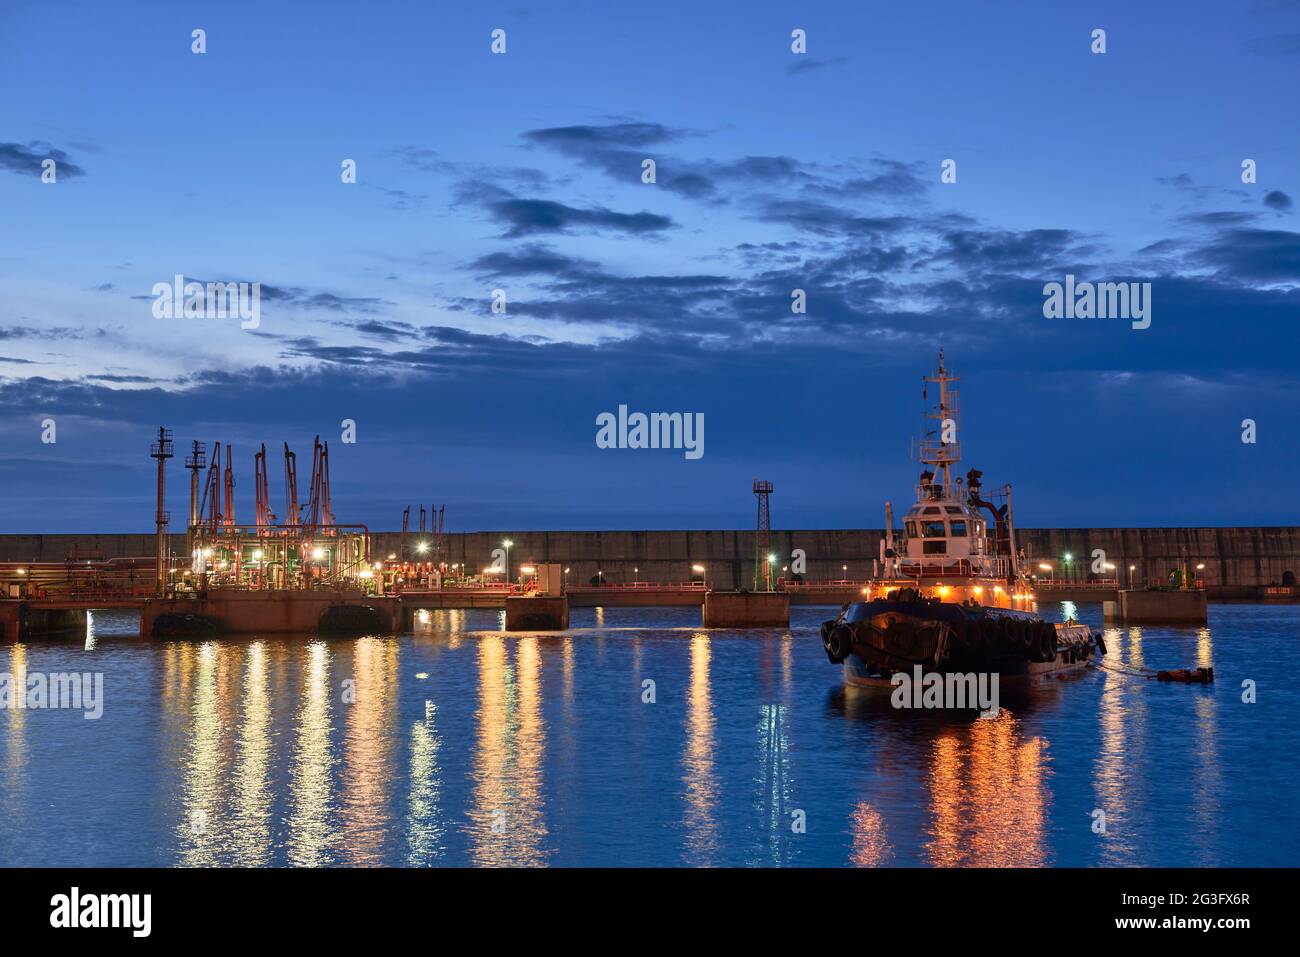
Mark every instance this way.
x=20 y=621
x=268 y=613
x=1159 y=607
x=731 y=609
x=11 y=618
x=537 y=613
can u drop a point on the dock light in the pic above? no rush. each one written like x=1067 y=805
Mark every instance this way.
x=1109 y=567
x=527 y=570
x=317 y=554
x=22 y=571
x=257 y=555
x=379 y=566
x=943 y=591
x=864 y=591
x=698 y=569
x=978 y=590
x=1200 y=567
x=422 y=547
x=1044 y=566
x=366 y=573
x=392 y=557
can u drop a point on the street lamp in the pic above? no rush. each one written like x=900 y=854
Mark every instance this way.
x=1131 y=570
x=507 y=543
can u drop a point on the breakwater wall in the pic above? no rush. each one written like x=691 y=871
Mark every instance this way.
x=1236 y=560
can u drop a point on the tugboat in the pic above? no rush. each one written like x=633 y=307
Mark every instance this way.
x=950 y=595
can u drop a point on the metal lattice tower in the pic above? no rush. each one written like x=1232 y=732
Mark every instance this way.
x=763 y=536
x=162 y=451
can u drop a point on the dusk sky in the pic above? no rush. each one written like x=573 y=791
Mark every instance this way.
x=522 y=171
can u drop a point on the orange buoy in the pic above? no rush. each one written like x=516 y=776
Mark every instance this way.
x=1201 y=676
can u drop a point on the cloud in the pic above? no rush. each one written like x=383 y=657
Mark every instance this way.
x=532 y=259
x=1264 y=255
x=618 y=149
x=1278 y=200
x=527 y=217
x=809 y=64
x=27 y=159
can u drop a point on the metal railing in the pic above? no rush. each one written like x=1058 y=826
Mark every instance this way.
x=834 y=584
x=641 y=586
x=1094 y=584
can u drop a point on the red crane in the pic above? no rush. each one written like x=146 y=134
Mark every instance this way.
x=319 y=514
x=291 y=516
x=211 y=490
x=261 y=491
x=228 y=515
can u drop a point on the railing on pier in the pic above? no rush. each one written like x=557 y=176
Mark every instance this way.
x=835 y=585
x=638 y=586
x=1093 y=584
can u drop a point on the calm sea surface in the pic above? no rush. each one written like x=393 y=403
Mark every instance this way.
x=460 y=744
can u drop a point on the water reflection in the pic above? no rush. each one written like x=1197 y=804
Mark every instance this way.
x=13 y=782
x=251 y=835
x=508 y=824
x=311 y=792
x=365 y=799
x=200 y=825
x=987 y=796
x=701 y=785
x=870 y=845
x=772 y=801
x=426 y=834
x=1120 y=781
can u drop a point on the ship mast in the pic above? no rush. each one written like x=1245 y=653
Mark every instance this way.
x=934 y=450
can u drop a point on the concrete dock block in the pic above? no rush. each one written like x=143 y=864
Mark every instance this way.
x=537 y=613
x=738 y=609
x=1159 y=607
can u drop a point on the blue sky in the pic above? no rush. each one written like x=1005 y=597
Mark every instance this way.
x=776 y=171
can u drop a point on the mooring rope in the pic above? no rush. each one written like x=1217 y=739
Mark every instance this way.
x=1130 y=672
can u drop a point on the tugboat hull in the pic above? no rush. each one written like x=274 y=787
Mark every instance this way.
x=876 y=639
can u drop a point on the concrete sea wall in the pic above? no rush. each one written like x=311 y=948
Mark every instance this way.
x=1236 y=560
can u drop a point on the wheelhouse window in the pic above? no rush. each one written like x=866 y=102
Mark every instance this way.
x=935 y=546
x=932 y=530
x=911 y=529
x=958 y=526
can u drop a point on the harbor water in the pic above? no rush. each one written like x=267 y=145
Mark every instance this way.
x=638 y=738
